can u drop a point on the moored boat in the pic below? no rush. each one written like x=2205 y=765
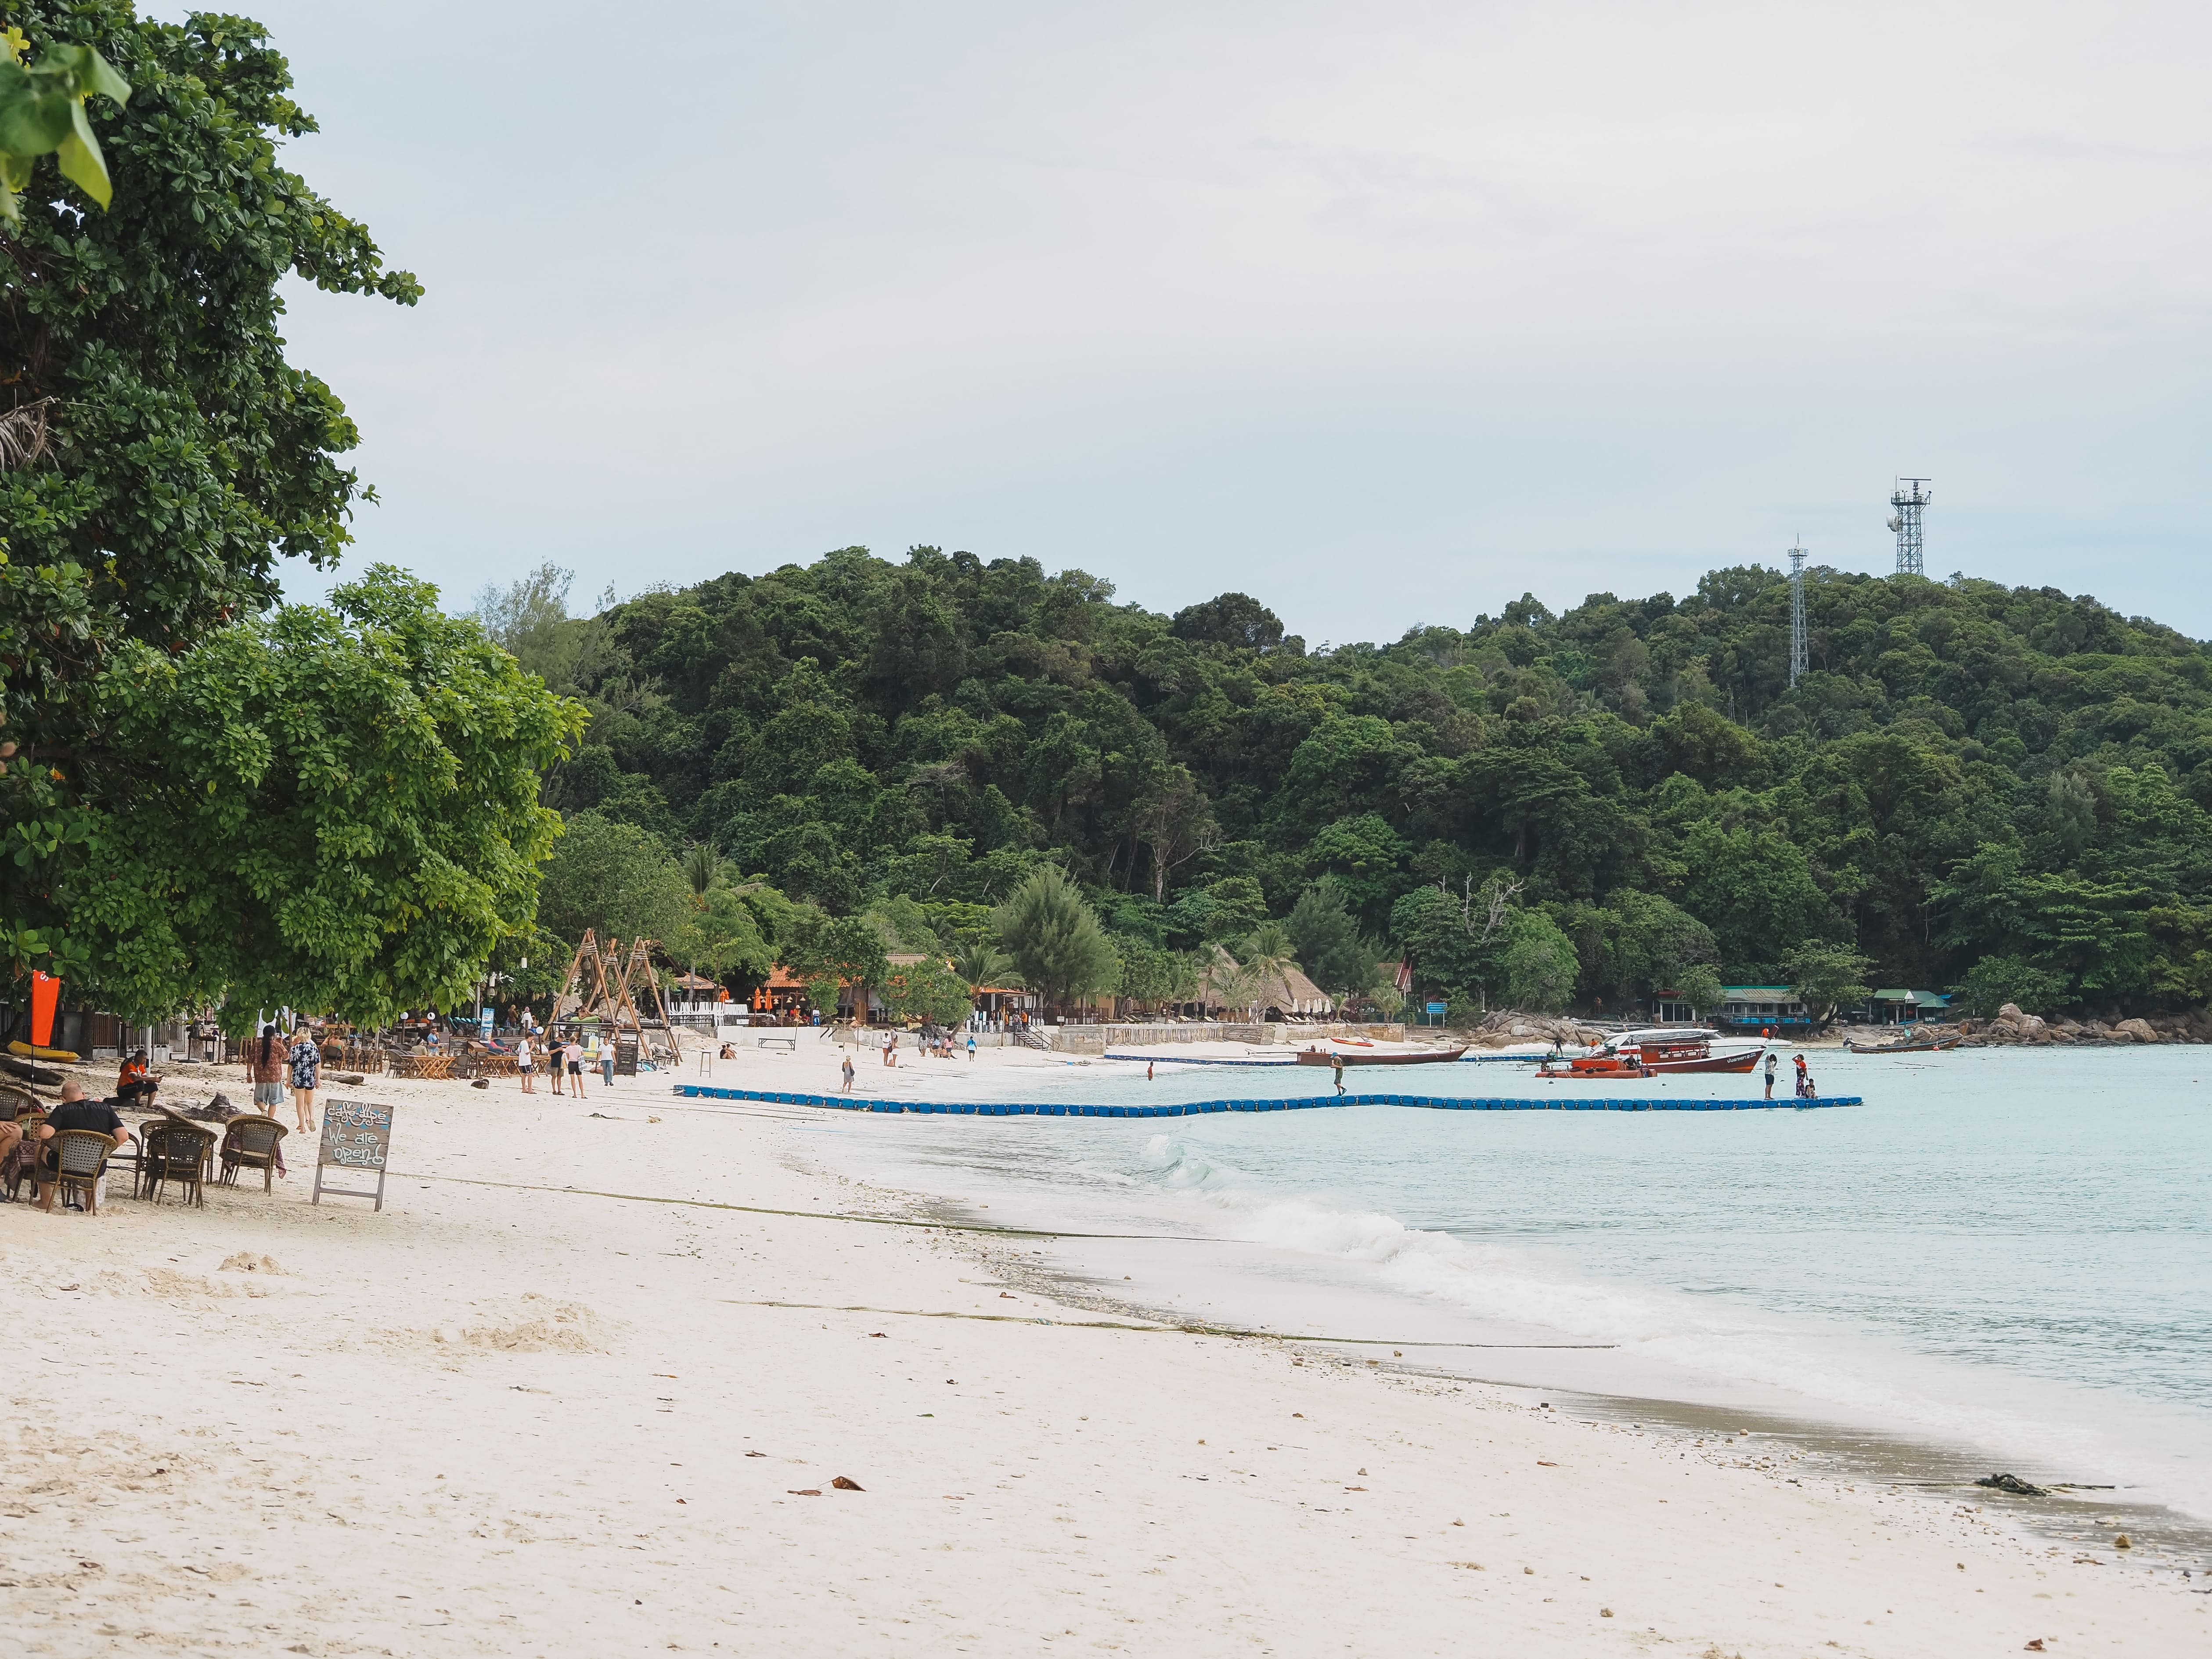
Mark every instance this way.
x=1931 y=1045
x=1424 y=1057
x=1668 y=1049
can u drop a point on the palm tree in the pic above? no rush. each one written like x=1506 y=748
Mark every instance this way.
x=702 y=867
x=980 y=962
x=1269 y=956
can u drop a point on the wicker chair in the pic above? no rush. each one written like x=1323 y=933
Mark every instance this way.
x=176 y=1154
x=18 y=1167
x=78 y=1158
x=252 y=1142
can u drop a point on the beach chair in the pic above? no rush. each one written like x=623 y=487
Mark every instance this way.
x=176 y=1154
x=252 y=1143
x=75 y=1159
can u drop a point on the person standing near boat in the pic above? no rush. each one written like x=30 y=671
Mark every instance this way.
x=1771 y=1064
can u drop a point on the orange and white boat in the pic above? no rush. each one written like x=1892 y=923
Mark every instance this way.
x=1662 y=1049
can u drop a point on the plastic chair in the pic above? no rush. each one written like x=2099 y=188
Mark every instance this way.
x=252 y=1142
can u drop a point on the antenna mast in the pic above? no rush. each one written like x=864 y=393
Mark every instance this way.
x=1797 y=652
x=1906 y=501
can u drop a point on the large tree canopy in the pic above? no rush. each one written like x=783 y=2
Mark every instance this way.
x=1970 y=771
x=333 y=807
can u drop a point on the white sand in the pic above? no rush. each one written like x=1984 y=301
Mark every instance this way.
x=500 y=1420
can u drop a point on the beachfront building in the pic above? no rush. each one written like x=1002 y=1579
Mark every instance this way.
x=1670 y=1007
x=1762 y=1007
x=1904 y=1007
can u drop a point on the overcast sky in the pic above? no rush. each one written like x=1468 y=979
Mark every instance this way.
x=1382 y=311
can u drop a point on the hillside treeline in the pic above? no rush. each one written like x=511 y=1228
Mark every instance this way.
x=1997 y=789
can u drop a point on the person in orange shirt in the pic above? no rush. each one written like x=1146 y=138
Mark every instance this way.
x=135 y=1084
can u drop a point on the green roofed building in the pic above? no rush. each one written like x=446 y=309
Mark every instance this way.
x=1762 y=1007
x=1906 y=1008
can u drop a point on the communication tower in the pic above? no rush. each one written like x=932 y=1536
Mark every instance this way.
x=1906 y=501
x=1798 y=653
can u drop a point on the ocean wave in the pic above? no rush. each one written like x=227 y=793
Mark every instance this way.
x=1701 y=1334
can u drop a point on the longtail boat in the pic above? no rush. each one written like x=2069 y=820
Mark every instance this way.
x=1426 y=1057
x=1930 y=1046
x=1650 y=1054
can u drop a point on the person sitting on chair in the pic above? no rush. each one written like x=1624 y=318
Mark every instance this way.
x=135 y=1084
x=75 y=1112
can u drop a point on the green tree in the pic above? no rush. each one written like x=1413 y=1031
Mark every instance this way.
x=1328 y=944
x=618 y=880
x=1995 y=980
x=928 y=991
x=1699 y=983
x=1537 y=961
x=1152 y=973
x=724 y=935
x=162 y=457
x=333 y=808
x=980 y=963
x=1825 y=976
x=1055 y=940
x=829 y=952
x=1362 y=856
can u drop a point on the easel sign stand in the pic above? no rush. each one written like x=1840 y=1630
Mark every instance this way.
x=357 y=1135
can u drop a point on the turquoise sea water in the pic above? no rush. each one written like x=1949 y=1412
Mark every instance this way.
x=2010 y=1247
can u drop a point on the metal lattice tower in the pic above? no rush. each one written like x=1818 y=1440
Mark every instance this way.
x=1798 y=653
x=1907 y=498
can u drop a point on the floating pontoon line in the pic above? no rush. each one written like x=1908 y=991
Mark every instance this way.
x=1564 y=1102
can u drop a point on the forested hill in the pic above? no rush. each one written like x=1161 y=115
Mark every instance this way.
x=1999 y=787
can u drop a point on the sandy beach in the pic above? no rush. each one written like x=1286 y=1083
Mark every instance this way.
x=588 y=1381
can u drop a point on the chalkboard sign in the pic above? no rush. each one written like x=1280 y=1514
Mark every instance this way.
x=357 y=1135
x=625 y=1054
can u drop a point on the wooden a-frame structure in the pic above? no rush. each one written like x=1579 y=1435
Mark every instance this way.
x=598 y=988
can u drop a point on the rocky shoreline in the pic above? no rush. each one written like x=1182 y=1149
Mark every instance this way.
x=2012 y=1026
x=1506 y=1029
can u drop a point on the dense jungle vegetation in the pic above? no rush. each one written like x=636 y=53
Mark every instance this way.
x=2003 y=790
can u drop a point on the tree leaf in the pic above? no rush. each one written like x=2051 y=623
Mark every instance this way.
x=82 y=163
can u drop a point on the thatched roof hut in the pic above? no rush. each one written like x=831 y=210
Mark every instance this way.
x=1288 y=992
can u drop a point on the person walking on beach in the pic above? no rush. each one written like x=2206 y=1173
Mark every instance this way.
x=607 y=1063
x=307 y=1066
x=265 y=1062
x=524 y=1063
x=971 y=1045
x=848 y=1069
x=1771 y=1063
x=573 y=1054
